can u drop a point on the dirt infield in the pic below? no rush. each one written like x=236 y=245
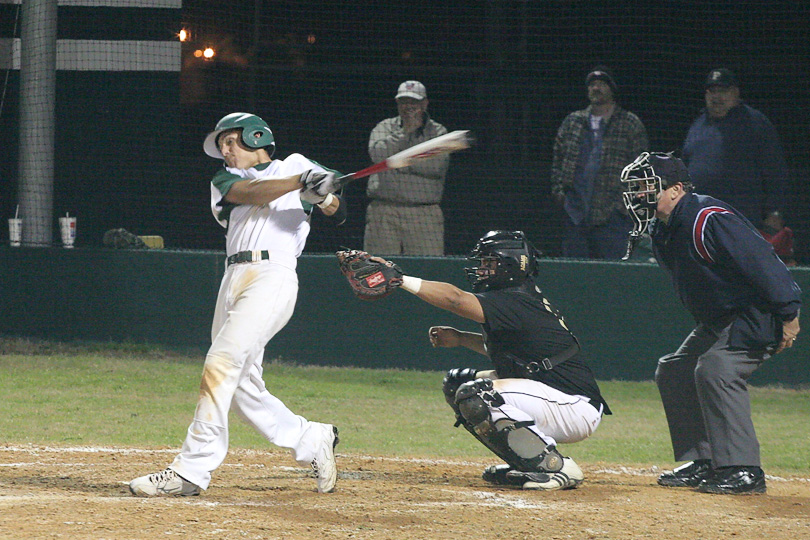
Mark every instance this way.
x=81 y=493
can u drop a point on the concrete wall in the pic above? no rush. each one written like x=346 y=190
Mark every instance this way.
x=626 y=315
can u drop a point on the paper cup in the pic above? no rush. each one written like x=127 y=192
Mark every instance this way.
x=15 y=231
x=67 y=226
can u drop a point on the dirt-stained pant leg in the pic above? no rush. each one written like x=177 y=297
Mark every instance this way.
x=255 y=301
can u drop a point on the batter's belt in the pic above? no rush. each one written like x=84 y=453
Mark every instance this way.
x=248 y=257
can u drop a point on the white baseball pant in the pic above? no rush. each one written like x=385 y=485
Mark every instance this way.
x=255 y=301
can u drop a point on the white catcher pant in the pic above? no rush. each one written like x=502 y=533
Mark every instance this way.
x=558 y=417
x=255 y=301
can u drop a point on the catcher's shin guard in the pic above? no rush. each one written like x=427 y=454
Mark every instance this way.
x=512 y=441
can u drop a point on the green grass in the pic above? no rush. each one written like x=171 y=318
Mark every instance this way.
x=141 y=397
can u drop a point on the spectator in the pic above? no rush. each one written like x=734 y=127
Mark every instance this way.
x=733 y=152
x=781 y=237
x=404 y=217
x=590 y=150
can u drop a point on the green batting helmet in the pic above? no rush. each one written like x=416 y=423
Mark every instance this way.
x=255 y=133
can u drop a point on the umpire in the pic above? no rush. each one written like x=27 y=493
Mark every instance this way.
x=746 y=305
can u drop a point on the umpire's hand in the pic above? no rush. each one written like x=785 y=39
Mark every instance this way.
x=790 y=329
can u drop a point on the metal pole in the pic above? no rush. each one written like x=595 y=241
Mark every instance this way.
x=37 y=120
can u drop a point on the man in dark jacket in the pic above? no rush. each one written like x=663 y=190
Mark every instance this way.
x=733 y=152
x=746 y=306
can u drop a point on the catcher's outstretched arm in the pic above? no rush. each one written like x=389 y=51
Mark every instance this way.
x=446 y=296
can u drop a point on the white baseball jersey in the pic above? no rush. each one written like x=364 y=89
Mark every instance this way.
x=280 y=227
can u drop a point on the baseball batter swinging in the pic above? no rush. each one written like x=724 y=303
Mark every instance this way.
x=540 y=393
x=265 y=210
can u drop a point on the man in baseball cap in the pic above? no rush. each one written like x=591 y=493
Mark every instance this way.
x=404 y=216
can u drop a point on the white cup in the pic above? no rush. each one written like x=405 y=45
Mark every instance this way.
x=67 y=226
x=15 y=231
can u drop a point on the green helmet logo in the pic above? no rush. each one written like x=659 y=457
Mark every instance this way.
x=255 y=133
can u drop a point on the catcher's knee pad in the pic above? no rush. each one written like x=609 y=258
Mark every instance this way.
x=512 y=441
x=455 y=378
x=473 y=399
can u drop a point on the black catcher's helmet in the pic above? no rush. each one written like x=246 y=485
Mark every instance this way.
x=505 y=259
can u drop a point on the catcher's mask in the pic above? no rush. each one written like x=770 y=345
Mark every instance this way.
x=650 y=174
x=505 y=259
x=255 y=133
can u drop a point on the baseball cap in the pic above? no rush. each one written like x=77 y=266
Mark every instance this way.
x=671 y=169
x=602 y=73
x=411 y=89
x=721 y=77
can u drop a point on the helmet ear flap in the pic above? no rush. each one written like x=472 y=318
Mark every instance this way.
x=258 y=137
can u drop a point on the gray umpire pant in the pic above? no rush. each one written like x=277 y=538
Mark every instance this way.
x=705 y=396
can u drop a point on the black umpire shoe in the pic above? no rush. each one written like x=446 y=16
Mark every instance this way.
x=687 y=475
x=734 y=481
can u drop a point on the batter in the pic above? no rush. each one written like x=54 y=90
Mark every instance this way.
x=261 y=203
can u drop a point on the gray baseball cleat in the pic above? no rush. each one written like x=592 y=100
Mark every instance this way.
x=163 y=483
x=568 y=478
x=324 y=465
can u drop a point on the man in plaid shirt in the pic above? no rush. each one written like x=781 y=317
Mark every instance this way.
x=591 y=148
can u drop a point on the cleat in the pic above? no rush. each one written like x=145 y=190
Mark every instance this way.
x=569 y=477
x=687 y=475
x=163 y=483
x=497 y=474
x=324 y=466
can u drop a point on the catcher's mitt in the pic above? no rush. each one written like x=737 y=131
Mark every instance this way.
x=370 y=278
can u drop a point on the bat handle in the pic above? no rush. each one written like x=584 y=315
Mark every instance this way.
x=342 y=181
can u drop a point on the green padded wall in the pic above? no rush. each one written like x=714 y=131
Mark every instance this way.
x=626 y=315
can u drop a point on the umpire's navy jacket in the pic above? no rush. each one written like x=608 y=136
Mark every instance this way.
x=725 y=272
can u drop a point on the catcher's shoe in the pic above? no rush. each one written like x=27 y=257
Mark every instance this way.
x=162 y=483
x=569 y=477
x=324 y=466
x=498 y=474
x=687 y=475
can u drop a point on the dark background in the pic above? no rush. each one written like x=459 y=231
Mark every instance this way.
x=322 y=74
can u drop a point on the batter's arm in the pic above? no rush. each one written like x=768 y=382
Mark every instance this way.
x=262 y=190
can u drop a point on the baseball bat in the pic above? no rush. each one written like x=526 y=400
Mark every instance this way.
x=444 y=144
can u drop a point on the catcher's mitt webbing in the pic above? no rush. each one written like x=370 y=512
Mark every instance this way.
x=370 y=278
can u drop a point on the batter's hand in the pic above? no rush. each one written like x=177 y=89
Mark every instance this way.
x=317 y=183
x=309 y=195
x=790 y=329
x=444 y=336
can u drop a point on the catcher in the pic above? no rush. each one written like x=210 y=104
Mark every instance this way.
x=540 y=393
